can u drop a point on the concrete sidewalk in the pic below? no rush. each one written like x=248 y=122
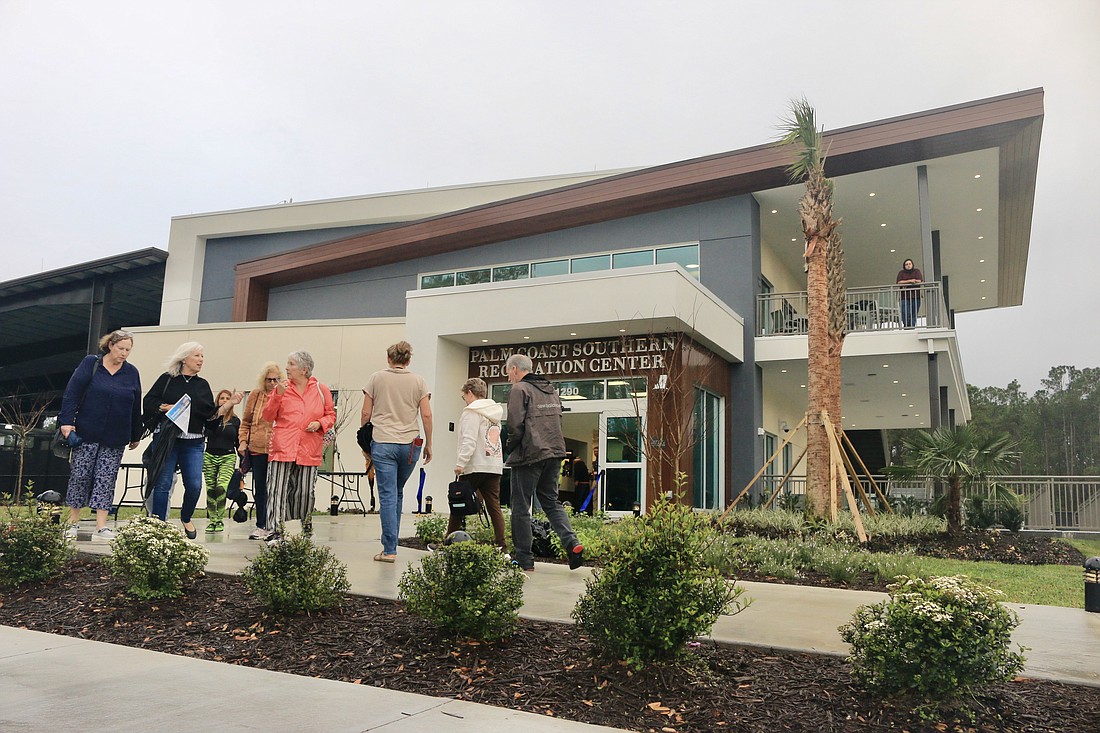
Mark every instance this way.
x=48 y=681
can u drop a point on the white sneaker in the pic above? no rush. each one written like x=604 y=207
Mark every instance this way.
x=71 y=532
x=258 y=534
x=104 y=533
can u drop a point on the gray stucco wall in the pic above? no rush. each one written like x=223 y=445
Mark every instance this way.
x=223 y=254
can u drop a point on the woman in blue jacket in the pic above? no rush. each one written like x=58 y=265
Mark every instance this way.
x=102 y=403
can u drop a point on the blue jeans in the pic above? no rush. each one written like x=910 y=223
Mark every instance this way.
x=393 y=464
x=537 y=480
x=909 y=308
x=187 y=454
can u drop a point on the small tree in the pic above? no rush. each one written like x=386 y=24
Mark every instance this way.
x=668 y=433
x=24 y=414
x=957 y=456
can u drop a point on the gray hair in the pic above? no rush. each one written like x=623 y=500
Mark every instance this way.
x=303 y=360
x=519 y=361
x=174 y=365
x=476 y=387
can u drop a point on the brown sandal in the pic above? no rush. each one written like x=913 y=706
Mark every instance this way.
x=382 y=557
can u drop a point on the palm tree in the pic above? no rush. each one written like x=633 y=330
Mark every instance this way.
x=825 y=295
x=956 y=456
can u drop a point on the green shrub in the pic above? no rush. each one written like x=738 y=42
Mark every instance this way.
x=153 y=559
x=933 y=638
x=296 y=575
x=431 y=528
x=32 y=547
x=466 y=589
x=655 y=592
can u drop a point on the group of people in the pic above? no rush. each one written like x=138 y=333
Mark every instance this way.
x=281 y=440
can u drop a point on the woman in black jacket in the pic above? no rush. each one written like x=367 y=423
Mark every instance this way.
x=218 y=462
x=182 y=378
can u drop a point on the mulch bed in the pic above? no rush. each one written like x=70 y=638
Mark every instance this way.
x=545 y=668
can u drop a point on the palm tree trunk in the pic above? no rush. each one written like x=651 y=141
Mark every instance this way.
x=954 y=504
x=820 y=393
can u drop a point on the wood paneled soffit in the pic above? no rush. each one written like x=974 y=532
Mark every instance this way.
x=994 y=122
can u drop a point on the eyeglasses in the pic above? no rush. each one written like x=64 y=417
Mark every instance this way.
x=271 y=379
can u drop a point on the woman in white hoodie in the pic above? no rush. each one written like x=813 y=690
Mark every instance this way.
x=480 y=455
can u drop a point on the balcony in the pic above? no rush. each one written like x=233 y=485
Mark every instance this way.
x=877 y=308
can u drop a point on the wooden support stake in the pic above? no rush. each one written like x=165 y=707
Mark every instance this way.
x=763 y=468
x=783 y=482
x=878 y=491
x=855 y=478
x=834 y=450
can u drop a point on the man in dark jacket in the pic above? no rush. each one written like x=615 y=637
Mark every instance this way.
x=536 y=448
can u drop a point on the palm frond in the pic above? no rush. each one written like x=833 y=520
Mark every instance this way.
x=800 y=128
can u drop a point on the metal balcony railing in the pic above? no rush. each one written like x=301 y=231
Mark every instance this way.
x=877 y=308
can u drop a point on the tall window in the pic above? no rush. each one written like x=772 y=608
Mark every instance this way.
x=706 y=458
x=771 y=475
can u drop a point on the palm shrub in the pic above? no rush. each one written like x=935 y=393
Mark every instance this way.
x=153 y=559
x=655 y=592
x=296 y=576
x=32 y=547
x=465 y=589
x=958 y=456
x=934 y=638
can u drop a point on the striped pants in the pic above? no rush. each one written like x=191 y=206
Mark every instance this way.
x=289 y=492
x=217 y=470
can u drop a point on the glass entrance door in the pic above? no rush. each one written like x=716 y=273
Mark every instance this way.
x=622 y=460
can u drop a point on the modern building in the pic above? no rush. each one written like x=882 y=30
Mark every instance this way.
x=627 y=287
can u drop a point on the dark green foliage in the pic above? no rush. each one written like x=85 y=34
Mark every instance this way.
x=466 y=589
x=655 y=591
x=934 y=638
x=296 y=575
x=31 y=547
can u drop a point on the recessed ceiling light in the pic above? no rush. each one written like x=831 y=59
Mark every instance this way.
x=882 y=225
x=893 y=250
x=982 y=237
x=802 y=386
x=977 y=175
x=693 y=267
x=904 y=395
x=895 y=381
x=978 y=209
x=793 y=239
x=782 y=371
x=983 y=281
x=622 y=330
x=885 y=366
x=917 y=414
x=983 y=297
x=910 y=405
x=484 y=341
x=527 y=337
x=775 y=211
x=981 y=260
x=871 y=194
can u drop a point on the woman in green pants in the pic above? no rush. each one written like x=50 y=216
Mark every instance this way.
x=219 y=460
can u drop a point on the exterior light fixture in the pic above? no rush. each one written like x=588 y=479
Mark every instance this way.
x=637 y=509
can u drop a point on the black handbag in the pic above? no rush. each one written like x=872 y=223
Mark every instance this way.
x=364 y=436
x=463 y=499
x=61 y=446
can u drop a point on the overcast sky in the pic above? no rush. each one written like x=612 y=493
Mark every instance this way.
x=118 y=116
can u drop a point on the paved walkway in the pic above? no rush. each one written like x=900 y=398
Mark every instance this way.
x=48 y=681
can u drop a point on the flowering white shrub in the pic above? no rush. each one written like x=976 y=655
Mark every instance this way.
x=154 y=559
x=933 y=637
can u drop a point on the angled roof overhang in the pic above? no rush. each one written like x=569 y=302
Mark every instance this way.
x=1011 y=123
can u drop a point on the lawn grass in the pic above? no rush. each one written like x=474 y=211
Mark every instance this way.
x=1047 y=585
x=1088 y=548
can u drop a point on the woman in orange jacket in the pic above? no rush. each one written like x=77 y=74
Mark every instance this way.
x=301 y=411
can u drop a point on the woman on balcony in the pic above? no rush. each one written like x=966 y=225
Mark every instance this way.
x=910 y=279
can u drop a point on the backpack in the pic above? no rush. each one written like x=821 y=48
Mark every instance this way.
x=463 y=499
